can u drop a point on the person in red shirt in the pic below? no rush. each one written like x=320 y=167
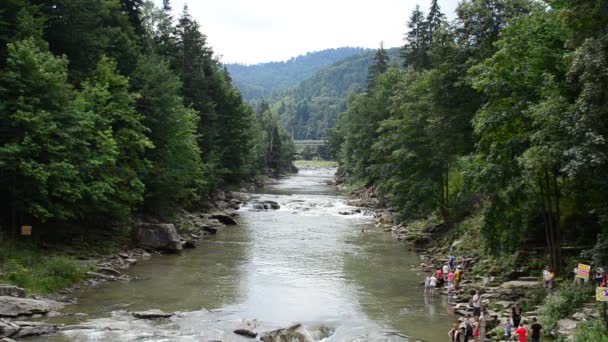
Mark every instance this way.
x=522 y=333
x=439 y=276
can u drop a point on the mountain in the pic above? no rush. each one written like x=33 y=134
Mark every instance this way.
x=313 y=106
x=262 y=80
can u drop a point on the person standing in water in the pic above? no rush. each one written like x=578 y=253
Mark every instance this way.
x=432 y=285
x=427 y=284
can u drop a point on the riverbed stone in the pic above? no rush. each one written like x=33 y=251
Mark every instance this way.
x=15 y=306
x=7 y=328
x=246 y=333
x=162 y=236
x=11 y=291
x=225 y=219
x=151 y=314
x=31 y=329
x=566 y=327
x=271 y=205
x=521 y=284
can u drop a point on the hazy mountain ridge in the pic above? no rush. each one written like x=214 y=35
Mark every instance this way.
x=263 y=80
x=313 y=106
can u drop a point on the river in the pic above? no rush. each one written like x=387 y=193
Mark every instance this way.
x=304 y=263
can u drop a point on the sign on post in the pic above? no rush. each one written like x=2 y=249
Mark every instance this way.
x=601 y=294
x=26 y=230
x=583 y=271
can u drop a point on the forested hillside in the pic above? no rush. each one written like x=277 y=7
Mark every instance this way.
x=262 y=80
x=313 y=106
x=111 y=108
x=498 y=126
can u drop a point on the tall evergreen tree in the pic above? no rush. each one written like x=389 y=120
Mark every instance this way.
x=378 y=67
x=434 y=20
x=414 y=52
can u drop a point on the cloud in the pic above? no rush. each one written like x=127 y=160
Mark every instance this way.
x=249 y=31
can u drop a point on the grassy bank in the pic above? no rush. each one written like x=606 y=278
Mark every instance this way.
x=35 y=270
x=52 y=262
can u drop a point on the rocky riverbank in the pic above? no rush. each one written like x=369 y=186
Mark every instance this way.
x=499 y=293
x=151 y=237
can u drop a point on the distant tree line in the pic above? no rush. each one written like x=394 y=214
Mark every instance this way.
x=504 y=110
x=113 y=107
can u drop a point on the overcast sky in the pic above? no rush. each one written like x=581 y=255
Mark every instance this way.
x=254 y=31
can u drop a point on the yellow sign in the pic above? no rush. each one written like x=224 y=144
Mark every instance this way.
x=601 y=294
x=26 y=230
x=583 y=271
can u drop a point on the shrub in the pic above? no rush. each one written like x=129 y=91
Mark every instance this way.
x=591 y=331
x=37 y=272
x=562 y=304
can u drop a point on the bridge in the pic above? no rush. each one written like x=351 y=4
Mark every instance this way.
x=309 y=143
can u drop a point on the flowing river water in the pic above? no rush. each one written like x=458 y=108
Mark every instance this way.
x=304 y=263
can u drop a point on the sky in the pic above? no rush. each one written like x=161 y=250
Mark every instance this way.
x=256 y=31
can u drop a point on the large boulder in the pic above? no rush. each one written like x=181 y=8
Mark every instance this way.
x=162 y=236
x=15 y=306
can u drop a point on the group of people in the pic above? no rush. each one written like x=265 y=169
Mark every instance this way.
x=474 y=326
x=449 y=275
x=600 y=277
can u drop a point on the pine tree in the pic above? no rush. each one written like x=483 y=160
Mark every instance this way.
x=175 y=177
x=378 y=67
x=434 y=21
x=414 y=52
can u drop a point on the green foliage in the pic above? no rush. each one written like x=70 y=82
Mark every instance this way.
x=176 y=174
x=262 y=80
x=37 y=272
x=562 y=304
x=591 y=331
x=137 y=113
x=504 y=107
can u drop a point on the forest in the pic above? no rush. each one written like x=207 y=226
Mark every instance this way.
x=109 y=109
x=263 y=80
x=500 y=115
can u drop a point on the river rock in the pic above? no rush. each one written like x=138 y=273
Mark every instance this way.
x=271 y=205
x=566 y=327
x=6 y=339
x=108 y=271
x=225 y=219
x=101 y=276
x=15 y=306
x=210 y=230
x=151 y=314
x=31 y=329
x=521 y=284
x=7 y=328
x=11 y=291
x=158 y=236
x=246 y=333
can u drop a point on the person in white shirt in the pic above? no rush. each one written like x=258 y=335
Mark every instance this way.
x=445 y=270
x=476 y=304
x=432 y=284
